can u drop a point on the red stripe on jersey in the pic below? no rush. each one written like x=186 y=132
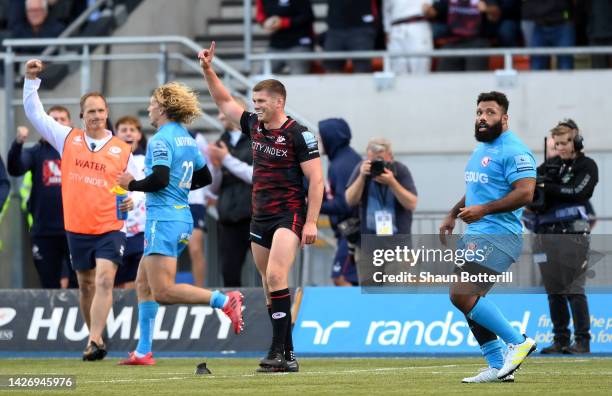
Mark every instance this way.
x=288 y=123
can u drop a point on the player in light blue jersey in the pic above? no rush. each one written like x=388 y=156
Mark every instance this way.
x=500 y=180
x=173 y=167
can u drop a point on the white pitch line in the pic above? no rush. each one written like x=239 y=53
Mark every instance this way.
x=383 y=370
x=342 y=372
x=531 y=361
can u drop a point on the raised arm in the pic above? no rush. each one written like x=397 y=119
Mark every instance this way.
x=223 y=99
x=355 y=189
x=19 y=161
x=54 y=132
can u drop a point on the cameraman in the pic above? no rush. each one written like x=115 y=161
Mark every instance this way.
x=565 y=183
x=384 y=191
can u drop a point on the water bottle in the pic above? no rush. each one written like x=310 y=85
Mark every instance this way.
x=120 y=195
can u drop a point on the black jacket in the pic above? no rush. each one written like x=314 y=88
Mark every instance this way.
x=296 y=22
x=574 y=184
x=234 y=203
x=51 y=28
x=547 y=12
x=45 y=203
x=598 y=15
x=346 y=14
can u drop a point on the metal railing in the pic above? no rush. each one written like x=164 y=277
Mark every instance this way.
x=85 y=57
x=79 y=22
x=428 y=222
x=506 y=53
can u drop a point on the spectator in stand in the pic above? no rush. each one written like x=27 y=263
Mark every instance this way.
x=48 y=237
x=66 y=11
x=128 y=129
x=351 y=27
x=407 y=29
x=527 y=26
x=466 y=22
x=289 y=24
x=599 y=28
x=439 y=25
x=553 y=27
x=4 y=14
x=39 y=25
x=507 y=30
x=16 y=14
x=336 y=138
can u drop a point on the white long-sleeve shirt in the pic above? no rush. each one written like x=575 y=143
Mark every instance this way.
x=238 y=168
x=394 y=10
x=56 y=133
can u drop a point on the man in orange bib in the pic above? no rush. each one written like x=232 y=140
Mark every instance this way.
x=91 y=160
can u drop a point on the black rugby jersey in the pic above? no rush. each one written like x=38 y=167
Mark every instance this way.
x=277 y=176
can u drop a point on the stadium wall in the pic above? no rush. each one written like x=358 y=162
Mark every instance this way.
x=429 y=120
x=435 y=113
x=135 y=78
x=155 y=18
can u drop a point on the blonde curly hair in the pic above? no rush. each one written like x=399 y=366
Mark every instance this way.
x=179 y=102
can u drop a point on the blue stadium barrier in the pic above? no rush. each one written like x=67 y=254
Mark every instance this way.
x=343 y=321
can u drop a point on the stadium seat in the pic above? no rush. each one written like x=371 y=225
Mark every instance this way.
x=519 y=62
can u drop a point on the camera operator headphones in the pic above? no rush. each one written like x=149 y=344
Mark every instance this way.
x=578 y=140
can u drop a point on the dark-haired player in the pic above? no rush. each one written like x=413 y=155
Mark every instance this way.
x=283 y=153
x=500 y=180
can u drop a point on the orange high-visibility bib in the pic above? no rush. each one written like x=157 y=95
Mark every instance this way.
x=87 y=178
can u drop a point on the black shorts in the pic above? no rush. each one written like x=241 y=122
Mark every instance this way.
x=198 y=212
x=262 y=230
x=131 y=258
x=85 y=249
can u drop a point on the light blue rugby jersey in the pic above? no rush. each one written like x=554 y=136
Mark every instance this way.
x=174 y=147
x=489 y=175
